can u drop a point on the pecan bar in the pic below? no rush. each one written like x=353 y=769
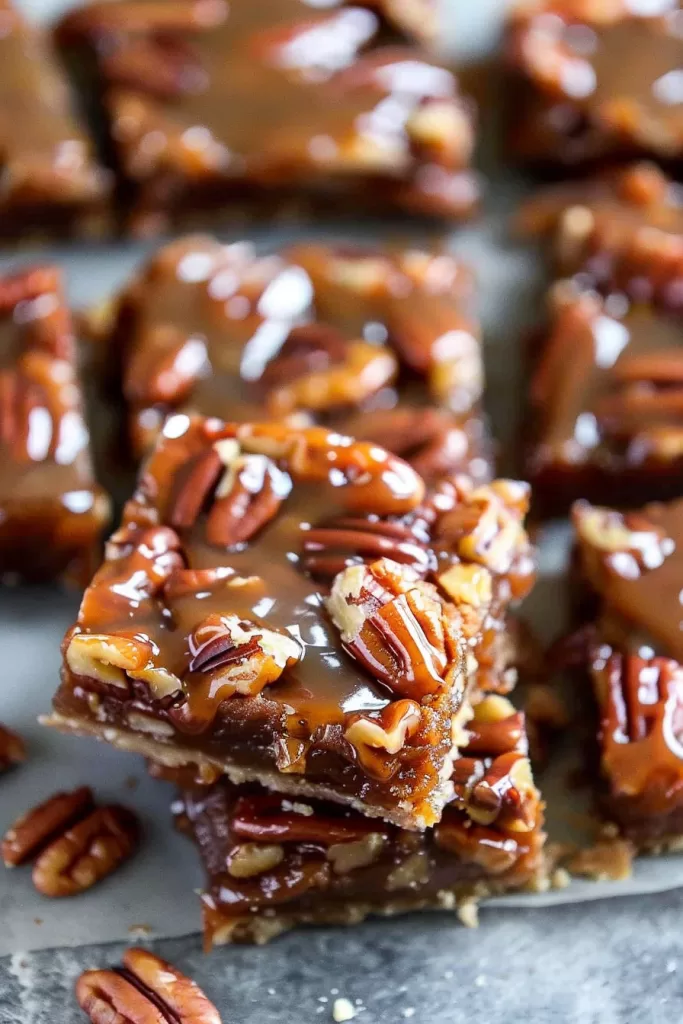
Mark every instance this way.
x=52 y=184
x=619 y=232
x=293 y=607
x=606 y=402
x=52 y=511
x=630 y=568
x=595 y=80
x=273 y=863
x=215 y=107
x=382 y=345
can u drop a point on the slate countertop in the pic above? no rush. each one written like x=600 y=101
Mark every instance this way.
x=618 y=961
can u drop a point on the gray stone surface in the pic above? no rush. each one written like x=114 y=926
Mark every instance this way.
x=613 y=962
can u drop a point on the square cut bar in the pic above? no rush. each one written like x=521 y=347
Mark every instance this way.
x=52 y=512
x=273 y=863
x=606 y=401
x=630 y=571
x=620 y=232
x=382 y=345
x=233 y=107
x=295 y=608
x=52 y=184
x=595 y=80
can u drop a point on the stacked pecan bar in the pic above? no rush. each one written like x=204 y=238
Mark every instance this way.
x=595 y=80
x=51 y=182
x=51 y=509
x=292 y=608
x=381 y=345
x=606 y=400
x=216 y=106
x=630 y=573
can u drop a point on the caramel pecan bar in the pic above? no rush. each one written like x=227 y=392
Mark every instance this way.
x=630 y=568
x=606 y=402
x=51 y=181
x=620 y=232
x=51 y=509
x=215 y=107
x=273 y=863
x=383 y=345
x=595 y=80
x=294 y=607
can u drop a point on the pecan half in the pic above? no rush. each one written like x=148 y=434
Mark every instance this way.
x=247 y=497
x=12 y=748
x=87 y=852
x=398 y=627
x=39 y=826
x=267 y=818
x=146 y=990
x=328 y=548
x=627 y=544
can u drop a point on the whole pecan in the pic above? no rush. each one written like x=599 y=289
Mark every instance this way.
x=34 y=830
x=330 y=547
x=398 y=627
x=12 y=748
x=145 y=990
x=87 y=852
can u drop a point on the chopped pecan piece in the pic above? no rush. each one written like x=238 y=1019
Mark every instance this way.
x=146 y=990
x=627 y=544
x=12 y=748
x=247 y=497
x=34 y=830
x=398 y=627
x=499 y=789
x=87 y=852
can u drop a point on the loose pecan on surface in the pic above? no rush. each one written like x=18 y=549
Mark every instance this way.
x=398 y=627
x=12 y=748
x=76 y=843
x=145 y=990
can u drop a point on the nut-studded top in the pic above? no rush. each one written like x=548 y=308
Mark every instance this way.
x=382 y=345
x=276 y=95
x=43 y=437
x=620 y=232
x=605 y=76
x=266 y=572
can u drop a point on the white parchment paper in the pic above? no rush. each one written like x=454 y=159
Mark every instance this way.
x=155 y=892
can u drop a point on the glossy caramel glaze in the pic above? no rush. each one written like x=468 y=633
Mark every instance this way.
x=212 y=103
x=317 y=862
x=50 y=180
x=606 y=402
x=381 y=345
x=51 y=510
x=597 y=82
x=195 y=554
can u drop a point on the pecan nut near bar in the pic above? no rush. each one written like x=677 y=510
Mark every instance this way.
x=294 y=607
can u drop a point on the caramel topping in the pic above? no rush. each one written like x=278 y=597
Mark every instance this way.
x=607 y=388
x=641 y=705
x=277 y=93
x=358 y=340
